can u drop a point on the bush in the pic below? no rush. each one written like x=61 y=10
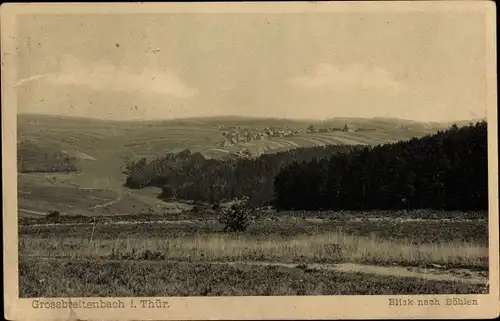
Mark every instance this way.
x=237 y=218
x=197 y=209
x=52 y=215
x=167 y=193
x=137 y=164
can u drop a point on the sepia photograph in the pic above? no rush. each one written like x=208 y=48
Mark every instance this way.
x=246 y=161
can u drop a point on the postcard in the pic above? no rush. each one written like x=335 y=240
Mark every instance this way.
x=250 y=160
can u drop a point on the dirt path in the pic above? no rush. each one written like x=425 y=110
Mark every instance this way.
x=111 y=223
x=32 y=212
x=455 y=275
x=188 y=221
x=109 y=203
x=85 y=156
x=462 y=275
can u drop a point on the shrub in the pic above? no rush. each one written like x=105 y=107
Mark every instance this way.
x=167 y=193
x=52 y=215
x=197 y=209
x=237 y=218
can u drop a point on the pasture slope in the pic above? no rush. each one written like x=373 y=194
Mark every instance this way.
x=83 y=137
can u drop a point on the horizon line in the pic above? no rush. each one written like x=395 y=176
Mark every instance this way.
x=247 y=117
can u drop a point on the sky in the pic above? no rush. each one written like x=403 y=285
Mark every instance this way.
x=421 y=66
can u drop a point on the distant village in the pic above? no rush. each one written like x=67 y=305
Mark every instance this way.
x=234 y=135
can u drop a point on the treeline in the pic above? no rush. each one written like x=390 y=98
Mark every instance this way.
x=446 y=171
x=32 y=158
x=193 y=177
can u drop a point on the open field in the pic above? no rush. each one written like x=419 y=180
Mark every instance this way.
x=59 y=278
x=364 y=257
x=273 y=145
x=94 y=139
x=70 y=199
x=416 y=232
x=321 y=248
x=83 y=194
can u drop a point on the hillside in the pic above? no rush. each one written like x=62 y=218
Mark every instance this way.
x=206 y=135
x=101 y=149
x=192 y=177
x=444 y=171
x=47 y=158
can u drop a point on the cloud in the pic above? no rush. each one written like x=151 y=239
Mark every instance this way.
x=352 y=77
x=30 y=79
x=105 y=76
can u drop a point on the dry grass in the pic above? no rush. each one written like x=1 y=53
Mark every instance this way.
x=332 y=247
x=100 y=260
x=63 y=278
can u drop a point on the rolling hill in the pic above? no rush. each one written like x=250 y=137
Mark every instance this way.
x=100 y=149
x=86 y=138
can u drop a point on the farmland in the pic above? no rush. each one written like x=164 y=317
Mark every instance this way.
x=321 y=137
x=155 y=138
x=273 y=145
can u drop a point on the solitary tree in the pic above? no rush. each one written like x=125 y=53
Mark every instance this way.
x=237 y=218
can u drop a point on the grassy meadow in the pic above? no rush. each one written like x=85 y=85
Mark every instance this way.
x=58 y=278
x=132 y=258
x=323 y=248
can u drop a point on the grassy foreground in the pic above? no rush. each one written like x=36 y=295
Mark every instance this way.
x=416 y=232
x=192 y=257
x=332 y=247
x=57 y=278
